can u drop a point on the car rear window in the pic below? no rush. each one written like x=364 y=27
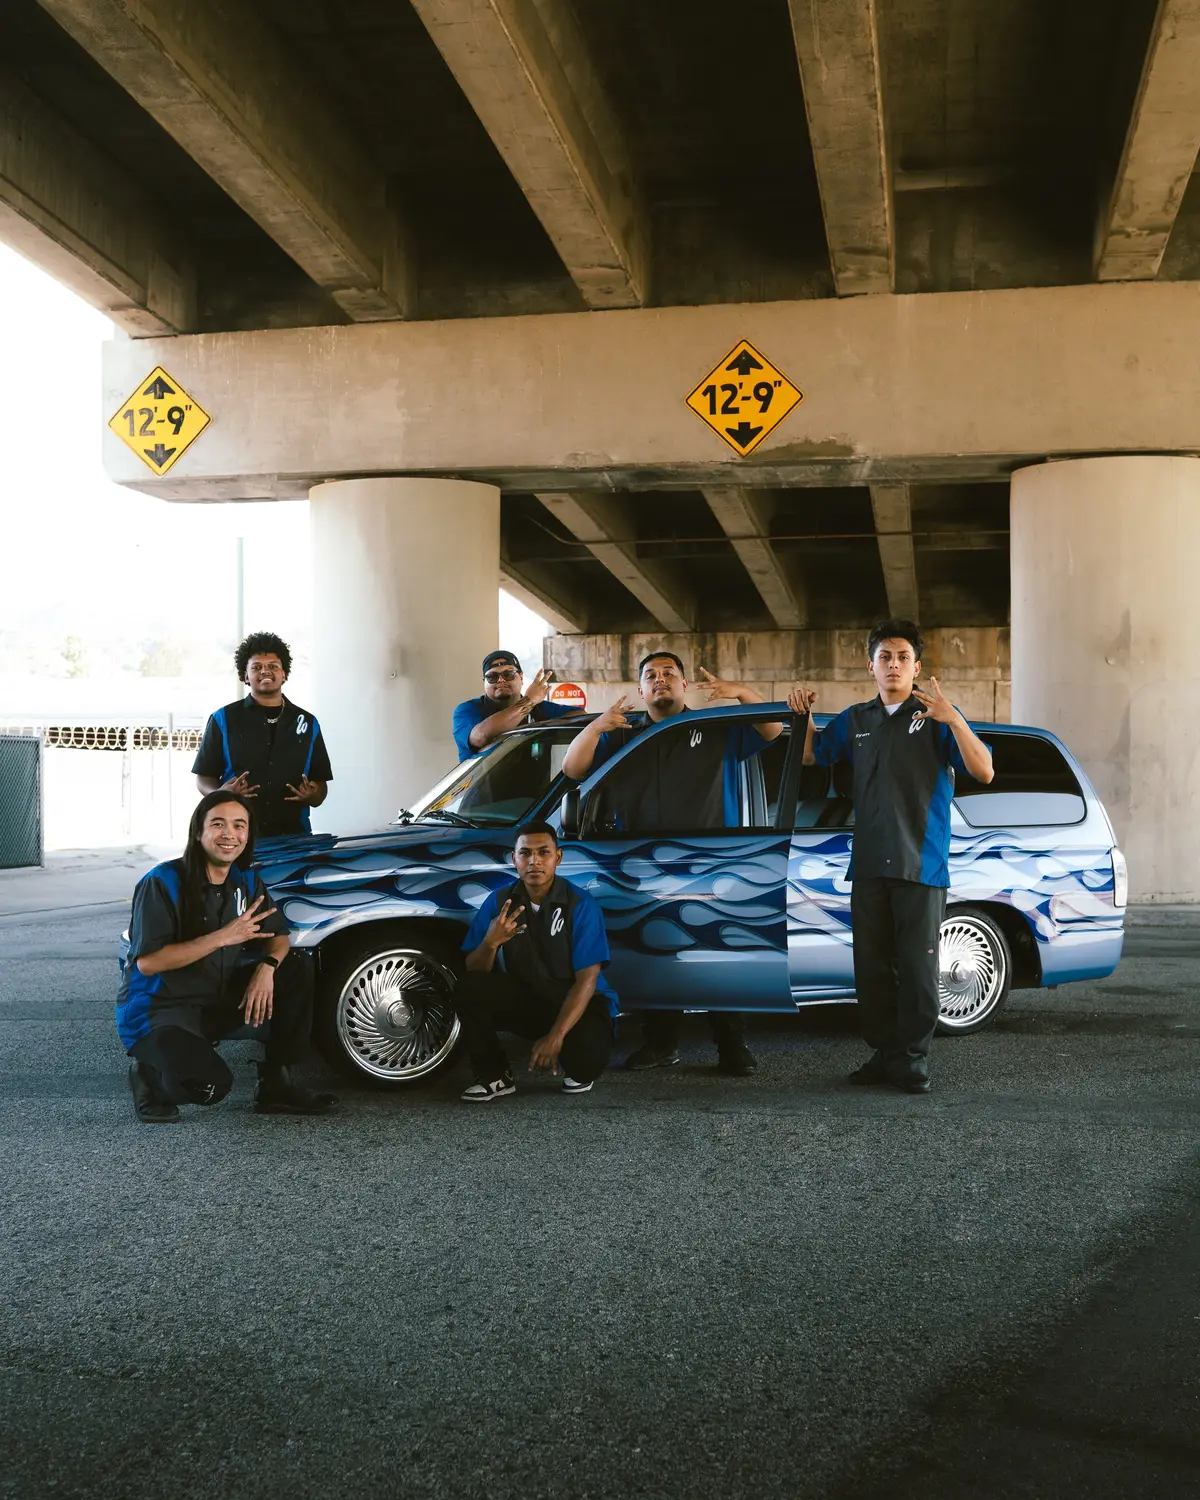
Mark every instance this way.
x=1033 y=785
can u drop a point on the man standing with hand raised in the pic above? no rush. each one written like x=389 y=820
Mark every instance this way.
x=504 y=704
x=692 y=786
x=905 y=746
x=264 y=747
x=208 y=953
x=536 y=953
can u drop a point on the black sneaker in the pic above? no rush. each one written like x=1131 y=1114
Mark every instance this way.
x=649 y=1056
x=872 y=1071
x=736 y=1060
x=911 y=1083
x=149 y=1109
x=276 y=1094
x=480 y=1092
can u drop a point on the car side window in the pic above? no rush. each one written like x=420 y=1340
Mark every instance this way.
x=1033 y=786
x=694 y=777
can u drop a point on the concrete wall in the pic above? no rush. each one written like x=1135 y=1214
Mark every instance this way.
x=972 y=664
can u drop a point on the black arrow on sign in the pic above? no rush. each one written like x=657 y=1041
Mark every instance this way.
x=743 y=434
x=744 y=363
x=158 y=388
x=159 y=455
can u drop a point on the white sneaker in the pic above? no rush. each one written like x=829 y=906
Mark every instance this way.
x=570 y=1086
x=480 y=1093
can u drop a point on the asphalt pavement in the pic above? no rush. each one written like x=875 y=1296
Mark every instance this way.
x=678 y=1285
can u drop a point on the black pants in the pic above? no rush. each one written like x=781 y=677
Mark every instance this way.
x=896 y=924
x=180 y=1052
x=661 y=1029
x=488 y=1003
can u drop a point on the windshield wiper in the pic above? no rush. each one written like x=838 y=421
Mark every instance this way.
x=444 y=816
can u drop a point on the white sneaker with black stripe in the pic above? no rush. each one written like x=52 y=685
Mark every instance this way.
x=572 y=1086
x=480 y=1093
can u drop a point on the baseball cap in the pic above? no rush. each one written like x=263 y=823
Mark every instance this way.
x=500 y=659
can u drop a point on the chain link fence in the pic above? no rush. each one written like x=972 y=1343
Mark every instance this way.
x=21 y=835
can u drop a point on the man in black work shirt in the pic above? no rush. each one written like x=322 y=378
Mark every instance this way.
x=209 y=953
x=692 y=783
x=905 y=746
x=263 y=746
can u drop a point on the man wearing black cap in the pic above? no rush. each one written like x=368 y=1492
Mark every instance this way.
x=504 y=703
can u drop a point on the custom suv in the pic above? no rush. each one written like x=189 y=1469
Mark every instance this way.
x=754 y=916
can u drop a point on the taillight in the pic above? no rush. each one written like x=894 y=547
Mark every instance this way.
x=1120 y=879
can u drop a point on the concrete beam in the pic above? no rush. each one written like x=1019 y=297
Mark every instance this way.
x=541 y=590
x=837 y=45
x=963 y=386
x=1160 y=150
x=76 y=214
x=745 y=520
x=218 y=79
x=525 y=69
x=601 y=523
x=892 y=506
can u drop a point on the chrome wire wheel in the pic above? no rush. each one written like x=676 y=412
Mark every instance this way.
x=973 y=971
x=394 y=1017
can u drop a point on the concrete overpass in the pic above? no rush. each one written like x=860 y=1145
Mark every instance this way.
x=453 y=266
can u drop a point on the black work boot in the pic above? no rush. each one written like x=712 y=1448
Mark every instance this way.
x=147 y=1106
x=277 y=1094
x=735 y=1059
x=872 y=1071
x=650 y=1056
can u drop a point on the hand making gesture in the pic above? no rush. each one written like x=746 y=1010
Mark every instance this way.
x=504 y=926
x=241 y=785
x=614 y=717
x=935 y=704
x=718 y=687
x=308 y=792
x=245 y=929
x=537 y=689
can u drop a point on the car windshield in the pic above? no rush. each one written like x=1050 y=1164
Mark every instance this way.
x=498 y=789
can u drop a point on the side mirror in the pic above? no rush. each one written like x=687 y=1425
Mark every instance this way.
x=569 y=816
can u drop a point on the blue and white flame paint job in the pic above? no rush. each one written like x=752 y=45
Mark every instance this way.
x=743 y=920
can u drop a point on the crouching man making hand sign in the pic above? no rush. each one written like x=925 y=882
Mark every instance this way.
x=208 y=953
x=536 y=953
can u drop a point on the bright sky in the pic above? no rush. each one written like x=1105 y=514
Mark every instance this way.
x=115 y=568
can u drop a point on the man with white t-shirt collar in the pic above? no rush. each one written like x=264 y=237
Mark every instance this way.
x=905 y=747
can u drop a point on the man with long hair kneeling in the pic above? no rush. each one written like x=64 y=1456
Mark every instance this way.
x=208 y=954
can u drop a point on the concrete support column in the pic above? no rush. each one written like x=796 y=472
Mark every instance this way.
x=405 y=607
x=1104 y=554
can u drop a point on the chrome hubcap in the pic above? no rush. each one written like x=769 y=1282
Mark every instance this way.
x=394 y=1015
x=971 y=975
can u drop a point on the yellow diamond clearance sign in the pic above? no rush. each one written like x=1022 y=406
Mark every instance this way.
x=744 y=397
x=160 y=421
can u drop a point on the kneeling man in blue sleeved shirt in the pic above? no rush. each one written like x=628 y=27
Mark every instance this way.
x=536 y=954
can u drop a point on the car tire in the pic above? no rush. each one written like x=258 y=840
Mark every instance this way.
x=974 y=971
x=385 y=1015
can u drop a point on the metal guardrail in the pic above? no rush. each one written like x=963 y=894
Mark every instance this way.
x=21 y=830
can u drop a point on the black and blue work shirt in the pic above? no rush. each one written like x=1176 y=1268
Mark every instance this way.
x=691 y=779
x=157 y=921
x=475 y=710
x=904 y=769
x=563 y=934
x=276 y=747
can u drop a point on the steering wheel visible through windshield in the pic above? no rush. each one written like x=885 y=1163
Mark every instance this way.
x=497 y=790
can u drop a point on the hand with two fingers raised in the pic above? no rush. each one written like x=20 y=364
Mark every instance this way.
x=614 y=717
x=247 y=928
x=504 y=926
x=307 y=792
x=536 y=692
x=241 y=785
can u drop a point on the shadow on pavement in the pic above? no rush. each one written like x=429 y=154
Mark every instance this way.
x=1109 y=1407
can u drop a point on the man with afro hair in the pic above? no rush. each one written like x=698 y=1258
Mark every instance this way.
x=264 y=747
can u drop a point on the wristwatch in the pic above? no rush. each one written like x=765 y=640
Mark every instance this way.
x=274 y=962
